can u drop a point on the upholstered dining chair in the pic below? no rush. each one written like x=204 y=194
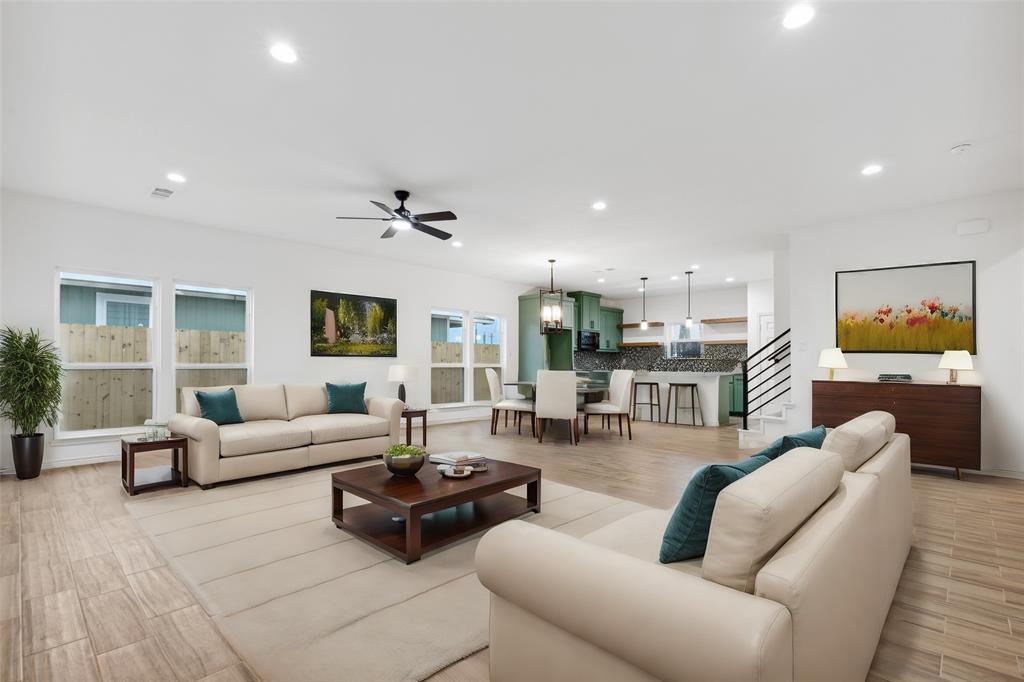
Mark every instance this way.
x=619 y=391
x=556 y=399
x=499 y=402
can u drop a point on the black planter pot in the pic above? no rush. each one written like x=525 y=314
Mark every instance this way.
x=28 y=454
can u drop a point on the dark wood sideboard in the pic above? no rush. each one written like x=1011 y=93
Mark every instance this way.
x=942 y=420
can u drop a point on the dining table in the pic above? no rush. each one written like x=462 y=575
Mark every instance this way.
x=581 y=389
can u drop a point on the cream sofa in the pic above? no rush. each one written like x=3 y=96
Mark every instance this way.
x=803 y=559
x=286 y=427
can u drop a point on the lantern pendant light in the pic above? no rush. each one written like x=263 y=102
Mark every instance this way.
x=689 y=319
x=643 y=322
x=550 y=310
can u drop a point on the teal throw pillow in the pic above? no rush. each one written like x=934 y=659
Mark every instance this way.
x=686 y=536
x=346 y=398
x=220 y=407
x=809 y=439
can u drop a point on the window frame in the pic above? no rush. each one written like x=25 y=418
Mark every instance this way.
x=155 y=347
x=468 y=364
x=247 y=365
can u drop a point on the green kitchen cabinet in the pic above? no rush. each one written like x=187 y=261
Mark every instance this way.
x=543 y=351
x=736 y=395
x=611 y=333
x=588 y=310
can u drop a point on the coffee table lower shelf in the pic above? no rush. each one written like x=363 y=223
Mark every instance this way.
x=375 y=524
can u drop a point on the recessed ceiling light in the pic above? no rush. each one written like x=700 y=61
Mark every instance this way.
x=871 y=169
x=695 y=267
x=401 y=224
x=797 y=16
x=176 y=177
x=599 y=206
x=456 y=245
x=730 y=279
x=674 y=277
x=284 y=53
x=600 y=280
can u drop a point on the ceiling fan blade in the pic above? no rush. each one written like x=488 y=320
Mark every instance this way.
x=440 y=215
x=348 y=217
x=385 y=208
x=389 y=233
x=432 y=231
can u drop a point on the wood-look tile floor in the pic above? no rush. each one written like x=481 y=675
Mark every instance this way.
x=85 y=596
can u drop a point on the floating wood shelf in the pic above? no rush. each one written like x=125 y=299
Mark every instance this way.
x=640 y=344
x=636 y=325
x=726 y=342
x=724 y=320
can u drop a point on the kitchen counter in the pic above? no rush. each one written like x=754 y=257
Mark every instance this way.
x=713 y=388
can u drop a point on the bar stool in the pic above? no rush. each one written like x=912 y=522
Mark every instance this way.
x=654 y=399
x=673 y=388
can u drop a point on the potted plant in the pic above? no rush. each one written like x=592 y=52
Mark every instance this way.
x=404 y=460
x=30 y=393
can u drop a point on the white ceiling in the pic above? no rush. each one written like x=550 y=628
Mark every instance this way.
x=707 y=128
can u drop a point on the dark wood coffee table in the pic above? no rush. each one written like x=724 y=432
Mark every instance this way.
x=435 y=511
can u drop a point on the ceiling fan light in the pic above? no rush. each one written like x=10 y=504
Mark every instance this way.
x=401 y=224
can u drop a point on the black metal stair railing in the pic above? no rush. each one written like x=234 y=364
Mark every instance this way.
x=766 y=374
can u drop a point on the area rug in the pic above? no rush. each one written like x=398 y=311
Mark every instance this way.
x=301 y=600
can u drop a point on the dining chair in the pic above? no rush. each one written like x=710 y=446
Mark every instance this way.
x=556 y=399
x=620 y=389
x=499 y=402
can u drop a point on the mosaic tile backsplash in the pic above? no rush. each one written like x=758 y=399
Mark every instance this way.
x=717 y=358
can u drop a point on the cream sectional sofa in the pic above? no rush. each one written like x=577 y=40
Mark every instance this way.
x=803 y=559
x=286 y=427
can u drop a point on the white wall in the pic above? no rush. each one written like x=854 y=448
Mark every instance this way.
x=42 y=236
x=781 y=286
x=760 y=303
x=671 y=308
x=921 y=236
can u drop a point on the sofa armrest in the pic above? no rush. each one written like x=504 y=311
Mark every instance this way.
x=390 y=409
x=203 y=446
x=671 y=625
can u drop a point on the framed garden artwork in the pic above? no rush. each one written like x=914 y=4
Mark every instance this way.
x=352 y=325
x=928 y=308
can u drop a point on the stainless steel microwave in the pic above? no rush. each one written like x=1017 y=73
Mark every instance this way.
x=588 y=340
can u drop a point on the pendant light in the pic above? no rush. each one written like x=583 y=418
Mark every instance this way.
x=550 y=308
x=643 y=283
x=689 y=319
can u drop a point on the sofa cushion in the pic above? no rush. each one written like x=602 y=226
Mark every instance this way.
x=328 y=428
x=806 y=439
x=303 y=399
x=639 y=535
x=261 y=436
x=220 y=407
x=255 y=401
x=757 y=514
x=859 y=439
x=686 y=535
x=346 y=398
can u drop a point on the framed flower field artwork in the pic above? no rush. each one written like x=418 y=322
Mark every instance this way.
x=927 y=308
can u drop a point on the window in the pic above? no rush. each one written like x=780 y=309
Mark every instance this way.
x=105 y=334
x=486 y=353
x=211 y=338
x=685 y=342
x=459 y=359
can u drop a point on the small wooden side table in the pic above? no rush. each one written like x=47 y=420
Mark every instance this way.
x=409 y=415
x=150 y=478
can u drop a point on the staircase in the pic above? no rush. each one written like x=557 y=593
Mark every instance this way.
x=766 y=382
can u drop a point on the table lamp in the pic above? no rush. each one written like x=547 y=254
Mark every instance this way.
x=832 y=359
x=955 y=360
x=400 y=374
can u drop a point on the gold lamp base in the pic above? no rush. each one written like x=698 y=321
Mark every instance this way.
x=831 y=374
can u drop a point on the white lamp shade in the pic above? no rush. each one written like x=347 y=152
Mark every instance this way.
x=956 y=359
x=832 y=358
x=401 y=373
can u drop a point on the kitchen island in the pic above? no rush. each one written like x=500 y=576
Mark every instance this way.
x=713 y=388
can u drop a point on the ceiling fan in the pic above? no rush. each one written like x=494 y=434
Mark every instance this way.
x=402 y=219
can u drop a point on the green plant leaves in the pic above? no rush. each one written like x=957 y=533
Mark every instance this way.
x=30 y=380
